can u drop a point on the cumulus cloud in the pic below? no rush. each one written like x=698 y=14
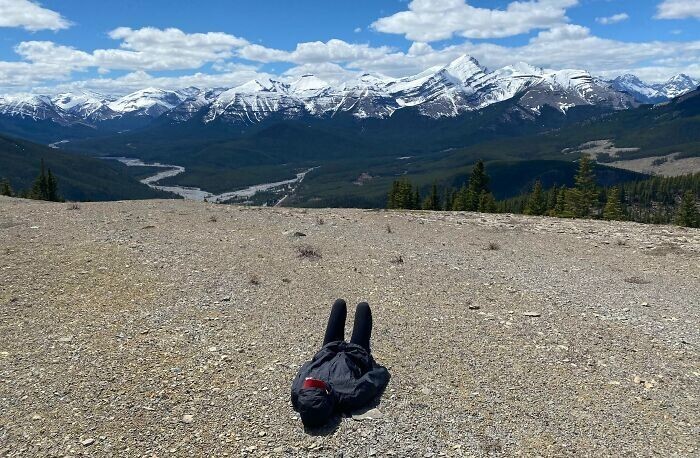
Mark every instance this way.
x=566 y=46
x=572 y=46
x=144 y=52
x=138 y=80
x=330 y=72
x=434 y=20
x=22 y=75
x=614 y=19
x=49 y=53
x=678 y=9
x=143 y=49
x=166 y=49
x=140 y=50
x=30 y=15
x=314 y=52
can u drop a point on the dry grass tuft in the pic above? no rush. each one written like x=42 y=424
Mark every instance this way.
x=637 y=281
x=308 y=252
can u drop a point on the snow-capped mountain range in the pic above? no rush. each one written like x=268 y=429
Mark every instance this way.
x=655 y=93
x=461 y=86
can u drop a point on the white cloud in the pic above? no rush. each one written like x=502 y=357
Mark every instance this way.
x=49 y=53
x=146 y=49
x=143 y=49
x=165 y=49
x=614 y=19
x=234 y=67
x=23 y=75
x=434 y=20
x=144 y=52
x=330 y=72
x=573 y=46
x=566 y=46
x=314 y=52
x=678 y=9
x=138 y=80
x=29 y=15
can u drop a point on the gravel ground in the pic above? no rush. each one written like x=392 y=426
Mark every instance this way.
x=171 y=328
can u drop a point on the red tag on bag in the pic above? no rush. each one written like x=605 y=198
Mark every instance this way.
x=315 y=383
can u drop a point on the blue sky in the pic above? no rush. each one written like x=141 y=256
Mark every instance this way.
x=122 y=45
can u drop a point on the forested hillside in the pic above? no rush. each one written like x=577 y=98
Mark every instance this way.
x=79 y=177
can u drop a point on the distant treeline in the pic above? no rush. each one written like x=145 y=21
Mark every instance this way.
x=658 y=200
x=45 y=187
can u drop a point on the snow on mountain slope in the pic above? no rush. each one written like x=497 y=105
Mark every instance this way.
x=254 y=101
x=147 y=102
x=678 y=85
x=37 y=107
x=443 y=91
x=308 y=86
x=85 y=105
x=465 y=70
x=195 y=100
x=655 y=93
x=365 y=97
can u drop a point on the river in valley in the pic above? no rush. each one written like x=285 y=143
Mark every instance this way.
x=284 y=187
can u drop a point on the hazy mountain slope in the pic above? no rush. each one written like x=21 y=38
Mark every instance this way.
x=655 y=93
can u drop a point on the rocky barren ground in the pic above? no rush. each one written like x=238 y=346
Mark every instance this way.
x=166 y=328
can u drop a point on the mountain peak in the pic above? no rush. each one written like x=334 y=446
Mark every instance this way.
x=254 y=86
x=149 y=90
x=629 y=78
x=309 y=82
x=464 y=68
x=465 y=59
x=682 y=78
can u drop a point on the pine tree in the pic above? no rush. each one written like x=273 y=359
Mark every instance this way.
x=432 y=202
x=5 y=188
x=487 y=204
x=460 y=201
x=52 y=187
x=449 y=199
x=552 y=199
x=478 y=184
x=40 y=188
x=402 y=196
x=566 y=203
x=536 y=205
x=583 y=197
x=392 y=199
x=613 y=206
x=415 y=203
x=688 y=214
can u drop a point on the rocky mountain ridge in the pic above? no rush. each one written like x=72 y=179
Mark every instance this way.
x=445 y=91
